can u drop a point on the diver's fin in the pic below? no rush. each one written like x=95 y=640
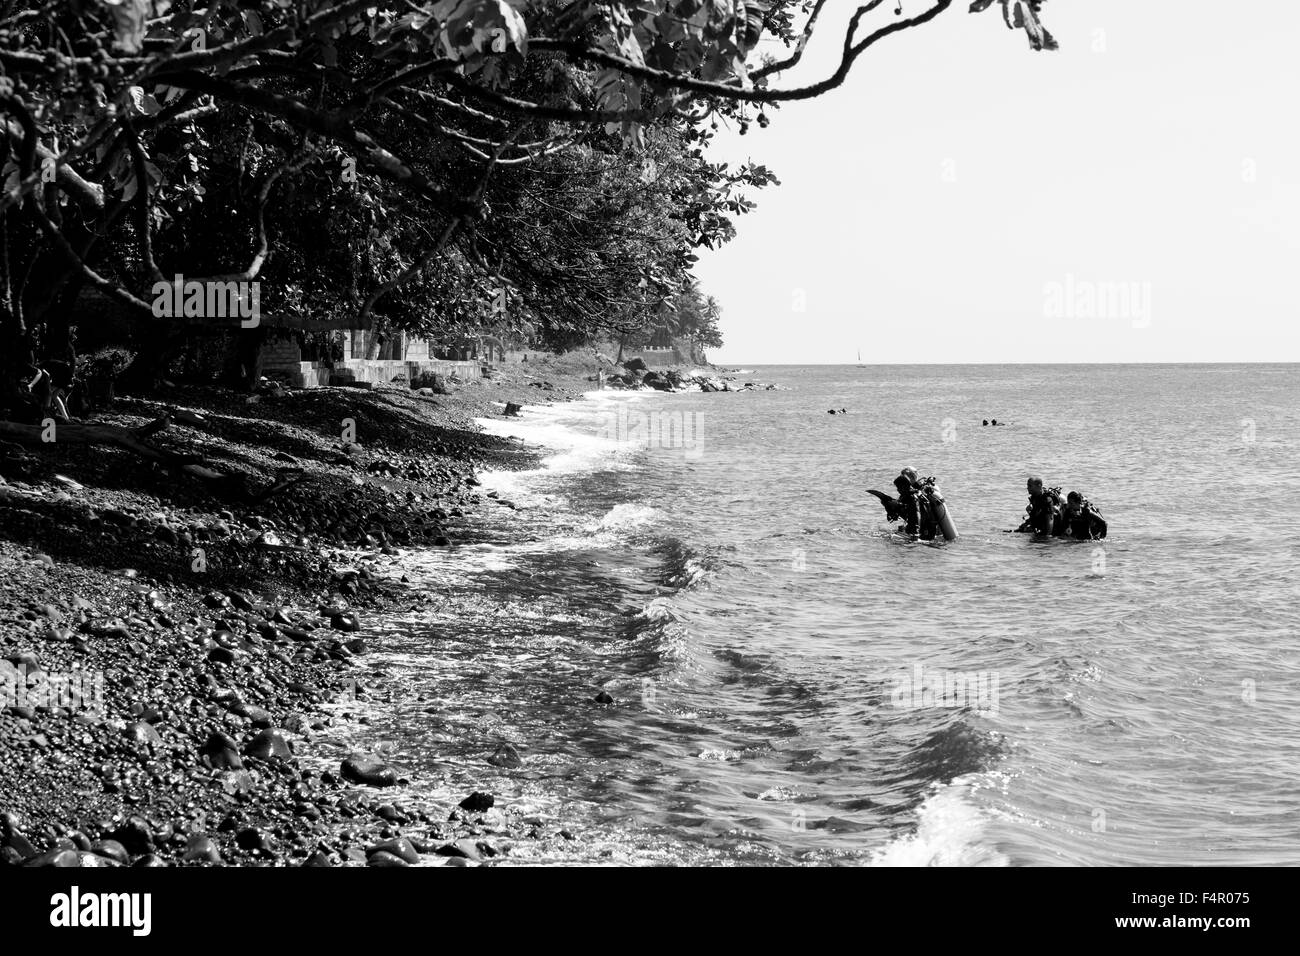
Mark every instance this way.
x=893 y=510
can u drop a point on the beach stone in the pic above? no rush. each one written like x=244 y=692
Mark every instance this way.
x=385 y=859
x=465 y=848
x=200 y=849
x=221 y=655
x=259 y=717
x=111 y=849
x=85 y=858
x=20 y=845
x=268 y=744
x=345 y=622
x=253 y=838
x=142 y=733
x=56 y=858
x=505 y=756
x=235 y=781
x=400 y=848
x=478 y=802
x=368 y=769
x=221 y=752
x=135 y=835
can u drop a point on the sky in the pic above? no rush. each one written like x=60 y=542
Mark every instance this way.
x=1131 y=197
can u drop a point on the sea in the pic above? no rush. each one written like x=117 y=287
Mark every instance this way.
x=709 y=646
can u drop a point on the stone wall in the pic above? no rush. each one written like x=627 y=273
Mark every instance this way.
x=282 y=359
x=351 y=371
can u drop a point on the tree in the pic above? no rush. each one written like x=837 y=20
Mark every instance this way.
x=215 y=141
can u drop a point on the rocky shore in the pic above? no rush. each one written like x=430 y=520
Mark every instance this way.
x=168 y=648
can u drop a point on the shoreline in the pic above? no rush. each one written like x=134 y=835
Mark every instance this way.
x=181 y=654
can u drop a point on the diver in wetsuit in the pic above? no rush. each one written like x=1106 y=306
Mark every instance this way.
x=1081 y=519
x=927 y=525
x=916 y=504
x=1043 y=511
x=908 y=504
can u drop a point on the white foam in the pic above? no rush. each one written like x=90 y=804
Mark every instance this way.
x=626 y=517
x=950 y=832
x=576 y=433
x=658 y=609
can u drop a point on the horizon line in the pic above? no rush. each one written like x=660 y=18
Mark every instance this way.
x=941 y=364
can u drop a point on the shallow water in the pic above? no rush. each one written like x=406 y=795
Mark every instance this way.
x=769 y=644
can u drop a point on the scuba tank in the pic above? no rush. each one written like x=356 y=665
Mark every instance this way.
x=938 y=510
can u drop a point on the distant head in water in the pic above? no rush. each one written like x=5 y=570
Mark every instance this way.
x=1073 y=503
x=1034 y=486
x=910 y=475
x=986 y=421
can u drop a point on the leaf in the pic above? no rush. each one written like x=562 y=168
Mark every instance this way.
x=1022 y=15
x=140 y=103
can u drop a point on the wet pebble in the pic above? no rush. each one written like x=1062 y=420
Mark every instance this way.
x=478 y=802
x=368 y=769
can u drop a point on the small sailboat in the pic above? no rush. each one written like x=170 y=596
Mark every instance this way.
x=860 y=365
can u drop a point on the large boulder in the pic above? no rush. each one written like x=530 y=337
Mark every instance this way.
x=635 y=365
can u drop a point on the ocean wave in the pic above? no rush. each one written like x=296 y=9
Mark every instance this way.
x=571 y=431
x=626 y=517
x=950 y=831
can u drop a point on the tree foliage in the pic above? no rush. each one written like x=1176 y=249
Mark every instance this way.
x=526 y=167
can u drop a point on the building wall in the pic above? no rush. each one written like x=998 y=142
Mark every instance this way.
x=382 y=372
x=280 y=353
x=281 y=358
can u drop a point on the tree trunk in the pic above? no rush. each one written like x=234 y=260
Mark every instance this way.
x=248 y=357
x=153 y=346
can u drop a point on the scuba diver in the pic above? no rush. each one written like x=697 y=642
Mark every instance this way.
x=920 y=504
x=904 y=507
x=1081 y=519
x=1042 y=514
x=922 y=489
